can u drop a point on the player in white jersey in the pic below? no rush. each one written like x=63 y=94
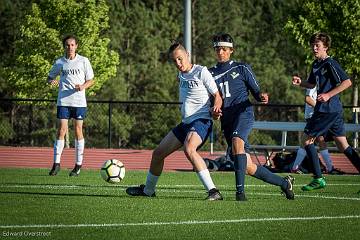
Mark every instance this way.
x=196 y=86
x=76 y=75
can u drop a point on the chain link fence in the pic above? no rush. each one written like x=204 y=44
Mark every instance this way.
x=121 y=124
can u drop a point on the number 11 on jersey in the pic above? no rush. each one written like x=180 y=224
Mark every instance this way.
x=224 y=87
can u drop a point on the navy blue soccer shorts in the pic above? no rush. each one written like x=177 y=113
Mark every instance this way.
x=201 y=126
x=325 y=124
x=78 y=113
x=238 y=125
x=328 y=137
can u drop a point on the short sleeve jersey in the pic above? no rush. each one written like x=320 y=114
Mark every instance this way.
x=72 y=72
x=327 y=74
x=309 y=110
x=195 y=89
x=235 y=80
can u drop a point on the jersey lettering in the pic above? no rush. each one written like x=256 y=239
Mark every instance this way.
x=70 y=72
x=189 y=84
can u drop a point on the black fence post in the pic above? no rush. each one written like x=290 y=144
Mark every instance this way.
x=109 y=130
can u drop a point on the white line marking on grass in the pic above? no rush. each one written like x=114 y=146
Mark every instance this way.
x=257 y=185
x=192 y=222
x=58 y=186
x=48 y=186
x=180 y=188
x=269 y=194
x=310 y=196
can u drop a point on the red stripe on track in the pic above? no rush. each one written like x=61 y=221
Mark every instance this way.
x=133 y=159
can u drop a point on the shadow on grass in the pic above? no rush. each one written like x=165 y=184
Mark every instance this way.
x=99 y=195
x=61 y=194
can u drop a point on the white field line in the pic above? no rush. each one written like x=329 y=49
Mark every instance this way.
x=191 y=222
x=50 y=186
x=183 y=189
x=271 y=194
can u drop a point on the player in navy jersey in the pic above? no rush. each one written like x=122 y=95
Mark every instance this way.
x=330 y=79
x=235 y=80
x=196 y=85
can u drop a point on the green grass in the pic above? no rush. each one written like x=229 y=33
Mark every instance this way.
x=86 y=207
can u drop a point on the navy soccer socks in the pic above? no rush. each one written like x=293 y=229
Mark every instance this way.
x=240 y=171
x=266 y=175
x=351 y=154
x=313 y=155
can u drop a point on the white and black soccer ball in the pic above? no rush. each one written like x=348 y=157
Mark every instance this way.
x=112 y=171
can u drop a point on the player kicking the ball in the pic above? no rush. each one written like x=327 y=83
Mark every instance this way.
x=196 y=85
x=76 y=75
x=236 y=80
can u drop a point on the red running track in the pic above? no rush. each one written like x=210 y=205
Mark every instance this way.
x=35 y=157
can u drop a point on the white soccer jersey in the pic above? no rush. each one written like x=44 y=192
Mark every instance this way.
x=195 y=89
x=309 y=110
x=72 y=72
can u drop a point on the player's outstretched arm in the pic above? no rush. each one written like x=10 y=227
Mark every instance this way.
x=87 y=84
x=216 y=109
x=296 y=80
x=52 y=82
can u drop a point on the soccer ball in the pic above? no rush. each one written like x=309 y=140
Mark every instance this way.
x=112 y=171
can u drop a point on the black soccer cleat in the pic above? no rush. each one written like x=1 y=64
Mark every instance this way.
x=55 y=169
x=289 y=190
x=76 y=171
x=138 y=191
x=214 y=195
x=336 y=171
x=240 y=196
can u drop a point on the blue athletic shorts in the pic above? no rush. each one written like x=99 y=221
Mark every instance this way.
x=78 y=113
x=325 y=124
x=239 y=125
x=328 y=137
x=200 y=126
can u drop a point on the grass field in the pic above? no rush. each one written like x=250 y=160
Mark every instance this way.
x=36 y=206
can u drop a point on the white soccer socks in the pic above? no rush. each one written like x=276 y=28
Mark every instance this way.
x=79 y=151
x=58 y=149
x=205 y=178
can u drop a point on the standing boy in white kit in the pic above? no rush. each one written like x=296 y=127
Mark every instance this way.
x=76 y=75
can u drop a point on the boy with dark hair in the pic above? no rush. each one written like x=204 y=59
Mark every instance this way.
x=330 y=79
x=235 y=80
x=76 y=75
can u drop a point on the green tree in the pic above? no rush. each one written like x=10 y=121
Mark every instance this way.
x=11 y=14
x=257 y=29
x=40 y=44
x=340 y=19
x=250 y=23
x=141 y=32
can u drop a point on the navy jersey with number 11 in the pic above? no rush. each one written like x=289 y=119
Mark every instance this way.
x=234 y=81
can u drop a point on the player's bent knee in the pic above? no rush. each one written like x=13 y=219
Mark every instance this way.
x=189 y=151
x=251 y=168
x=158 y=155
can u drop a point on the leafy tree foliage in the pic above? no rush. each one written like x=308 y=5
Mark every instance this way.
x=140 y=32
x=340 y=19
x=40 y=44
